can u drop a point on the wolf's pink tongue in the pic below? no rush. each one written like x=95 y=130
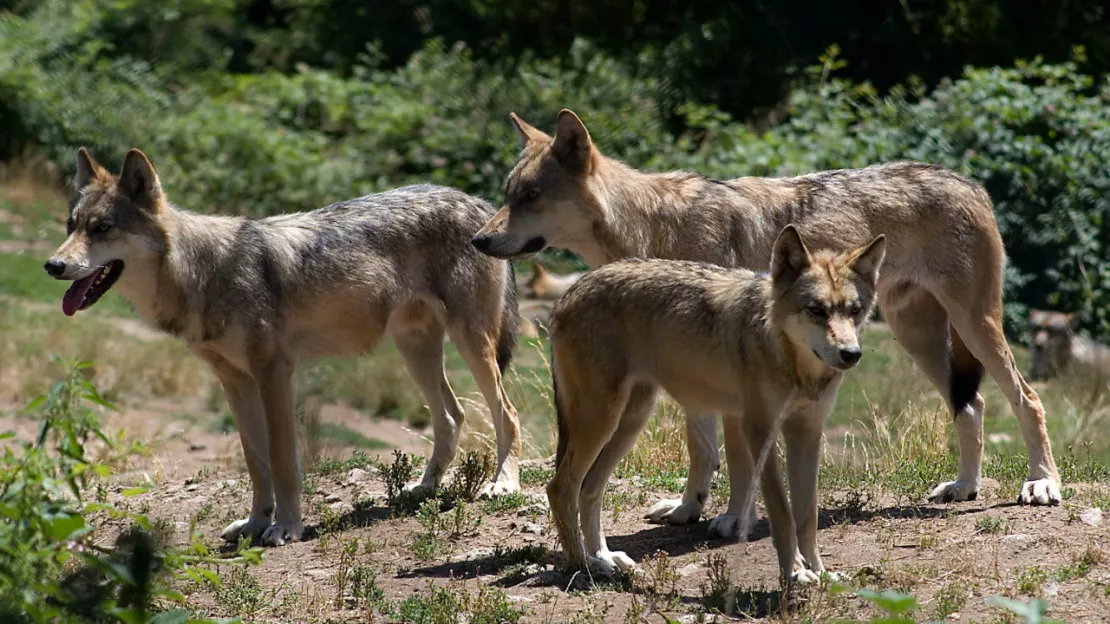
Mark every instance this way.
x=75 y=295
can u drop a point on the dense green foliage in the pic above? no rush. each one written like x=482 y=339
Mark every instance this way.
x=258 y=107
x=51 y=567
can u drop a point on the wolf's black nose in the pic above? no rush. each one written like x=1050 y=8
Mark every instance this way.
x=481 y=242
x=851 y=355
x=55 y=267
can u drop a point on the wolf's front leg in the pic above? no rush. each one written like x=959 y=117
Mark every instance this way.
x=701 y=440
x=275 y=383
x=246 y=406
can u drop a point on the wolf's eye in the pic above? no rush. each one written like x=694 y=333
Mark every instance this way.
x=817 y=311
x=532 y=193
x=856 y=309
x=102 y=227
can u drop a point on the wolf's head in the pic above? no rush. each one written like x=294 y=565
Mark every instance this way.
x=548 y=202
x=1050 y=350
x=822 y=300
x=113 y=222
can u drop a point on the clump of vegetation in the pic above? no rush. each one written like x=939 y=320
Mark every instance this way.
x=51 y=567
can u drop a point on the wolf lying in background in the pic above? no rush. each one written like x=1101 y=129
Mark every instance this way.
x=253 y=298
x=941 y=290
x=760 y=348
x=1056 y=348
x=548 y=286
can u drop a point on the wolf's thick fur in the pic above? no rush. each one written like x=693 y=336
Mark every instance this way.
x=254 y=298
x=1057 y=350
x=941 y=290
x=752 y=346
x=548 y=286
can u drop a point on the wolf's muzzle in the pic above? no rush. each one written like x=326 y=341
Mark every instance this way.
x=56 y=268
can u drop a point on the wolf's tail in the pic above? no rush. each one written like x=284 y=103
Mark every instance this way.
x=510 y=322
x=560 y=422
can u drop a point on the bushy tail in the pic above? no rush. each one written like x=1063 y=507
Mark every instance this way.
x=510 y=322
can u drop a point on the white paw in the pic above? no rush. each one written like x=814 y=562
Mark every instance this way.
x=674 y=511
x=728 y=526
x=418 y=491
x=502 y=486
x=828 y=576
x=609 y=562
x=955 y=491
x=804 y=577
x=1039 y=492
x=250 y=528
x=278 y=534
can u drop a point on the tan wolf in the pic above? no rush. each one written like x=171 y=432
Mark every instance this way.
x=253 y=298
x=548 y=286
x=941 y=290
x=1056 y=349
x=758 y=347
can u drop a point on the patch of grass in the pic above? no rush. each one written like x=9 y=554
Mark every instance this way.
x=1081 y=564
x=444 y=605
x=240 y=594
x=989 y=524
x=441 y=528
x=535 y=476
x=716 y=590
x=358 y=459
x=508 y=502
x=473 y=471
x=950 y=599
x=1031 y=580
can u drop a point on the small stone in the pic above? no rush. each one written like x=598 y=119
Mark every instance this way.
x=356 y=475
x=1017 y=538
x=332 y=498
x=191 y=487
x=531 y=527
x=954 y=616
x=477 y=553
x=539 y=510
x=1092 y=516
x=318 y=573
x=687 y=570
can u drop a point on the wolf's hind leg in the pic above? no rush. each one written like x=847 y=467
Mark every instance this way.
x=701 y=440
x=477 y=344
x=422 y=350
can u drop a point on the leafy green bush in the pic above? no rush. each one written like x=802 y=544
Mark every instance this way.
x=51 y=567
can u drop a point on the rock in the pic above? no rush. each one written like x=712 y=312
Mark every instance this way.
x=356 y=475
x=1017 y=538
x=687 y=570
x=1092 y=516
x=531 y=527
x=539 y=510
x=332 y=498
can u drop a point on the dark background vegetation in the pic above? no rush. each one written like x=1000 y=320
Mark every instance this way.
x=266 y=106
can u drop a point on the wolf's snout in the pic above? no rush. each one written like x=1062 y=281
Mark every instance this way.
x=481 y=242
x=851 y=355
x=55 y=267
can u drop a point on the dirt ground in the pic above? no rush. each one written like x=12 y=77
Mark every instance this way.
x=952 y=557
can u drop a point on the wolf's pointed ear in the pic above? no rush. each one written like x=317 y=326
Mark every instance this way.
x=528 y=133
x=572 y=144
x=87 y=169
x=790 y=256
x=869 y=258
x=139 y=181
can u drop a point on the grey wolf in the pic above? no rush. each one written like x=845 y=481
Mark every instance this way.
x=255 y=297
x=1056 y=348
x=549 y=286
x=941 y=290
x=758 y=347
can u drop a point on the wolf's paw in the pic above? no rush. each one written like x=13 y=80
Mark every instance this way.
x=674 y=511
x=251 y=528
x=418 y=491
x=804 y=577
x=728 y=526
x=609 y=562
x=1039 y=492
x=502 y=486
x=280 y=533
x=828 y=576
x=954 y=491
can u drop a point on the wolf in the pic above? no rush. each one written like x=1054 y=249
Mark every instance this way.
x=253 y=298
x=759 y=347
x=1056 y=348
x=547 y=286
x=941 y=290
